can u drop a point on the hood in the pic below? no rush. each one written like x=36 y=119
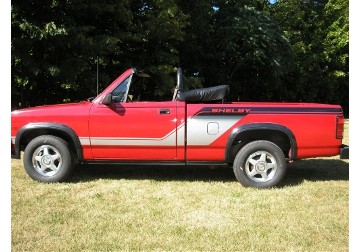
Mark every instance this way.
x=51 y=109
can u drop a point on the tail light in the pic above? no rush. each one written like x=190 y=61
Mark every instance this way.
x=339 y=127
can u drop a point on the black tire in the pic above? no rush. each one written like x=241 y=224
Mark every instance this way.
x=260 y=164
x=48 y=159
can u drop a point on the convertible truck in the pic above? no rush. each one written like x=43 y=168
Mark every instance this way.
x=123 y=125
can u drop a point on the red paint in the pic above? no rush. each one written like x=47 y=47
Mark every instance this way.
x=139 y=131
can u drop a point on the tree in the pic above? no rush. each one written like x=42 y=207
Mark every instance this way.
x=318 y=33
x=252 y=52
x=336 y=51
x=155 y=37
x=55 y=45
x=265 y=50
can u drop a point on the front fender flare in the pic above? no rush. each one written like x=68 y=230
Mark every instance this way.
x=61 y=128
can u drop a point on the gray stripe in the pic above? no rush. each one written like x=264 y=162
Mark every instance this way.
x=84 y=140
x=197 y=134
x=197 y=130
x=168 y=140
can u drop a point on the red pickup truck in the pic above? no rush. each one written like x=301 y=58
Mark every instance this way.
x=121 y=125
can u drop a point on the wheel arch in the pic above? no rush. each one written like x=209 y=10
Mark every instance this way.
x=278 y=134
x=32 y=130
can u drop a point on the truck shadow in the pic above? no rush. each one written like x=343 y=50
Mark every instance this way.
x=152 y=172
x=299 y=171
x=316 y=170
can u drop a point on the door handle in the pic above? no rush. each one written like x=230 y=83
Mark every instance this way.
x=164 y=111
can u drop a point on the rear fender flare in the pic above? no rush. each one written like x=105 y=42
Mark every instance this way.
x=260 y=126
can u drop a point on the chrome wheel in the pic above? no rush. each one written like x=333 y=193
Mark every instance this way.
x=260 y=166
x=47 y=160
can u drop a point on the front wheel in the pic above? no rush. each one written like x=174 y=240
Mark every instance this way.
x=260 y=164
x=48 y=159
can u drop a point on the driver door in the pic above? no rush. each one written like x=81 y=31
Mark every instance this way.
x=133 y=130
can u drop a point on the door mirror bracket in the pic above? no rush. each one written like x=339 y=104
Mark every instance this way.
x=107 y=99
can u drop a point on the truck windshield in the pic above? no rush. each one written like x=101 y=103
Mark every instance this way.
x=119 y=93
x=137 y=88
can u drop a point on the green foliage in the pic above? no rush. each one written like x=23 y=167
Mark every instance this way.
x=336 y=51
x=318 y=33
x=279 y=51
x=253 y=52
x=155 y=36
x=337 y=34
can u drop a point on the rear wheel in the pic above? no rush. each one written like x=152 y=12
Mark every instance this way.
x=48 y=159
x=260 y=164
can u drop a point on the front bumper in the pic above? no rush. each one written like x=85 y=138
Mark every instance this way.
x=344 y=152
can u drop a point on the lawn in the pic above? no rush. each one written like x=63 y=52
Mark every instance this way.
x=111 y=208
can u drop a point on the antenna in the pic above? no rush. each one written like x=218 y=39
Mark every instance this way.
x=97 y=75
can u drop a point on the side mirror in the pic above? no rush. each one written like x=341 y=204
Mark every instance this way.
x=107 y=99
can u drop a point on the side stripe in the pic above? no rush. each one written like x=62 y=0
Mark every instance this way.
x=197 y=134
x=167 y=140
x=84 y=140
x=243 y=110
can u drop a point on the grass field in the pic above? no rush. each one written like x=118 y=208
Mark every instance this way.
x=110 y=208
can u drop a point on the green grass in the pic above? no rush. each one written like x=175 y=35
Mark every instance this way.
x=110 y=208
